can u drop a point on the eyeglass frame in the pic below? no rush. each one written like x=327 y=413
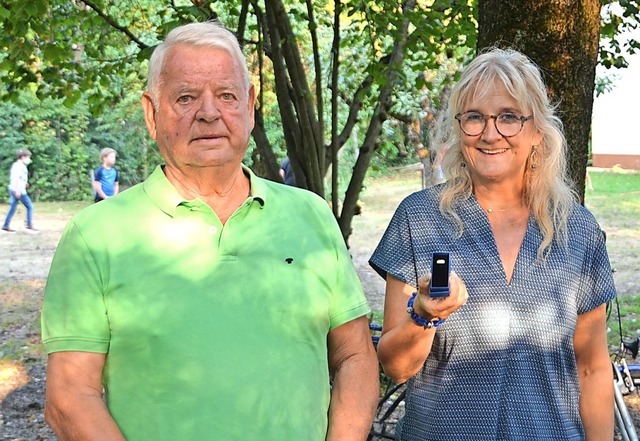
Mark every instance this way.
x=523 y=119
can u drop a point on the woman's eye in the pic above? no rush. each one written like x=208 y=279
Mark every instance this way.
x=509 y=118
x=474 y=117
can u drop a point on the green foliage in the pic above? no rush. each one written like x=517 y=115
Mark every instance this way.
x=620 y=19
x=123 y=129
x=54 y=134
x=65 y=144
x=94 y=52
x=11 y=139
x=89 y=51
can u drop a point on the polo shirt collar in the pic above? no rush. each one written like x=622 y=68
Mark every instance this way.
x=165 y=196
x=259 y=188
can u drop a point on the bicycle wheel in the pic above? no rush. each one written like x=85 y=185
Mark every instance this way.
x=390 y=408
x=623 y=420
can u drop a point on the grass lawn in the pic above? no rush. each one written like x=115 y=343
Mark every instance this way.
x=615 y=202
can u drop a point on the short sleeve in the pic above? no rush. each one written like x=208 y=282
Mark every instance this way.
x=74 y=315
x=348 y=301
x=394 y=254
x=597 y=285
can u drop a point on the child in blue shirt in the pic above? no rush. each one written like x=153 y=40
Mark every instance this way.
x=105 y=177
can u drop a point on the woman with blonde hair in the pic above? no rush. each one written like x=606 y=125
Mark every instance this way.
x=518 y=348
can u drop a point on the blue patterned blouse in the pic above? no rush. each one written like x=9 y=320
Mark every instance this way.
x=503 y=366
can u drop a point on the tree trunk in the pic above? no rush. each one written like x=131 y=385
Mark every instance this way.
x=300 y=123
x=375 y=127
x=561 y=36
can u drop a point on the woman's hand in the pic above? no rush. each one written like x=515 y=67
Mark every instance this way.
x=404 y=346
x=441 y=307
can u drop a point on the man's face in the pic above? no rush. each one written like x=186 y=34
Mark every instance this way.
x=204 y=114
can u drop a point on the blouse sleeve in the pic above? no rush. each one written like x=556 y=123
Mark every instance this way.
x=597 y=285
x=394 y=254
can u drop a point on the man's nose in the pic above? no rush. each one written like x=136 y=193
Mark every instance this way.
x=208 y=110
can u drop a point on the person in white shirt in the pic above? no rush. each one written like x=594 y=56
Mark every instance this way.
x=18 y=183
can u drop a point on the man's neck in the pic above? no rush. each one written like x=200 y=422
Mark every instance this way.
x=222 y=188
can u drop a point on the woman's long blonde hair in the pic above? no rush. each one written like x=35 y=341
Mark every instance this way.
x=547 y=188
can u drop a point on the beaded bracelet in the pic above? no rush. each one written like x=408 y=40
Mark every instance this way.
x=421 y=321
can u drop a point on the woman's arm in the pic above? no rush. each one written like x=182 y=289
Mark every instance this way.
x=594 y=372
x=404 y=345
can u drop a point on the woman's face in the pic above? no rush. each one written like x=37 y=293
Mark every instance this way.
x=491 y=157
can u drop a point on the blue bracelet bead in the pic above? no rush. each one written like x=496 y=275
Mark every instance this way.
x=421 y=321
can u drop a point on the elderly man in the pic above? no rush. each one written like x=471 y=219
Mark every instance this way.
x=200 y=304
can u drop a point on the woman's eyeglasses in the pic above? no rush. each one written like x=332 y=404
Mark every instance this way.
x=507 y=124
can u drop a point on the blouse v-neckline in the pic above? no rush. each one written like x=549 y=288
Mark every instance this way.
x=487 y=234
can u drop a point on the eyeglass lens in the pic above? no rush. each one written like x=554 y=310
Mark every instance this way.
x=507 y=124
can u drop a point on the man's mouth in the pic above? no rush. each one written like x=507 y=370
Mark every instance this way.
x=493 y=151
x=206 y=137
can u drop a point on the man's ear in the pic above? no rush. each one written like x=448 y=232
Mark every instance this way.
x=251 y=104
x=149 y=114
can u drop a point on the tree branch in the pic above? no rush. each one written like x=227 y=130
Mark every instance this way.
x=115 y=25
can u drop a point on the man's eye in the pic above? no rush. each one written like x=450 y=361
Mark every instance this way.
x=509 y=118
x=228 y=97
x=184 y=99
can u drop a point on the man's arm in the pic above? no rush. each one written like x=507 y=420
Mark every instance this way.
x=354 y=368
x=594 y=373
x=74 y=407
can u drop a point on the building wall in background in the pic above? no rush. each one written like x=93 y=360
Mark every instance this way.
x=615 y=136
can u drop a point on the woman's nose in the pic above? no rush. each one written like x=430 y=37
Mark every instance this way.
x=491 y=132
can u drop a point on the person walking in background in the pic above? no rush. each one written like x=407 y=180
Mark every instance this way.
x=518 y=350
x=286 y=173
x=18 y=183
x=196 y=299
x=105 y=177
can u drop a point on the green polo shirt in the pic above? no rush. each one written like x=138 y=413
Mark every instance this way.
x=212 y=331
